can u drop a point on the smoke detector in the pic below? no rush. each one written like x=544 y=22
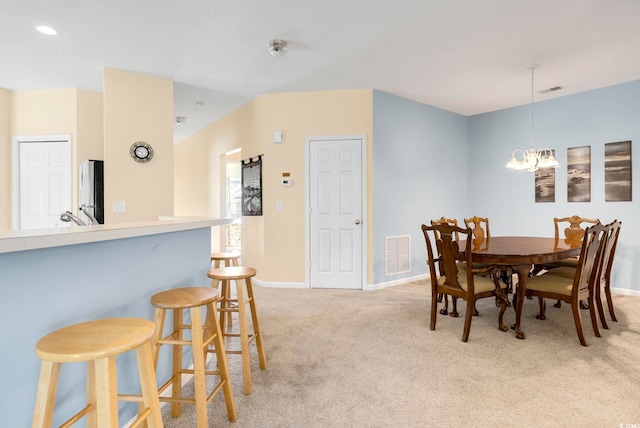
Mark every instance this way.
x=277 y=47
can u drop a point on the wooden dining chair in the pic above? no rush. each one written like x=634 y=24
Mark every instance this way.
x=602 y=278
x=604 y=274
x=440 y=297
x=572 y=236
x=451 y=273
x=571 y=285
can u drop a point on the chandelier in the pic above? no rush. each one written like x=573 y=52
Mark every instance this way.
x=532 y=159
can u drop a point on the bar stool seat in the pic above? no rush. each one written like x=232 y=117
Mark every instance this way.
x=203 y=334
x=225 y=259
x=241 y=276
x=98 y=343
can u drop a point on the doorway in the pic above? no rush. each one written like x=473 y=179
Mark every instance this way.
x=233 y=201
x=336 y=177
x=42 y=184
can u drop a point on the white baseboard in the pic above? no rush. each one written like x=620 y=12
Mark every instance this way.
x=279 y=284
x=387 y=284
x=382 y=285
x=625 y=292
x=261 y=283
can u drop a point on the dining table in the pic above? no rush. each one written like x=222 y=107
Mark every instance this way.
x=521 y=253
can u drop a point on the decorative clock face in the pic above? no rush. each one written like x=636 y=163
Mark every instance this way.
x=141 y=152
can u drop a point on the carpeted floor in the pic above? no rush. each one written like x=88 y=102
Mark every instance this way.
x=339 y=358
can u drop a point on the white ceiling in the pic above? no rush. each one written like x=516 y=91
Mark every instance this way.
x=465 y=56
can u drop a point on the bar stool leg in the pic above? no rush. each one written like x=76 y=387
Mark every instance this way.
x=92 y=399
x=144 y=356
x=244 y=340
x=200 y=392
x=256 y=324
x=106 y=395
x=46 y=395
x=176 y=387
x=221 y=359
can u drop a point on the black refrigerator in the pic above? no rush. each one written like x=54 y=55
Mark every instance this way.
x=91 y=192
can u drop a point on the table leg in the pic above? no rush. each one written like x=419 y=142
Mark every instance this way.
x=523 y=274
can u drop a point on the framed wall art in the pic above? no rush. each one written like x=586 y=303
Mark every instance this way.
x=545 y=184
x=252 y=187
x=617 y=171
x=579 y=174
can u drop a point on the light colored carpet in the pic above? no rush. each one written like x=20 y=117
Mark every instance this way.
x=339 y=358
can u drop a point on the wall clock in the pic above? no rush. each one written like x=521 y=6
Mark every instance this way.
x=141 y=152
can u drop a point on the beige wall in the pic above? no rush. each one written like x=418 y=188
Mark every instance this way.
x=138 y=108
x=5 y=159
x=90 y=131
x=275 y=242
x=71 y=111
x=134 y=108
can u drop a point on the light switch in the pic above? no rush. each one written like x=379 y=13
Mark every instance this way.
x=119 y=207
x=277 y=137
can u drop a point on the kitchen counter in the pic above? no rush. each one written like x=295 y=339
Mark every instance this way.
x=21 y=240
x=52 y=278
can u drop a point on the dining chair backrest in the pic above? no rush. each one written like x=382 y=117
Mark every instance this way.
x=590 y=253
x=610 y=244
x=574 y=233
x=479 y=226
x=444 y=220
x=480 y=229
x=443 y=260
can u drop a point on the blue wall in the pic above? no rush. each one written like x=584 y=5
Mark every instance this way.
x=587 y=119
x=417 y=153
x=43 y=290
x=430 y=163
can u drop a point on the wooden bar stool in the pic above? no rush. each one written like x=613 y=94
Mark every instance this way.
x=225 y=259
x=221 y=260
x=98 y=343
x=193 y=299
x=240 y=275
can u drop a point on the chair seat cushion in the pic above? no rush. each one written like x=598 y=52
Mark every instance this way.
x=549 y=283
x=481 y=284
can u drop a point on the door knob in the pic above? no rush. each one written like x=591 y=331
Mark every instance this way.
x=357 y=221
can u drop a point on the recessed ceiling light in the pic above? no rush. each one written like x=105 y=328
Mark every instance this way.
x=45 y=29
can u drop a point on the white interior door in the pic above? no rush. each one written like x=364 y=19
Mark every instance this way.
x=335 y=213
x=45 y=183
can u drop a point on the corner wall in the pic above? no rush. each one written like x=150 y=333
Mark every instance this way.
x=417 y=176
x=275 y=243
x=591 y=118
x=71 y=111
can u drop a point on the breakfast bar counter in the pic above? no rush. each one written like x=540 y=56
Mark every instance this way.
x=52 y=278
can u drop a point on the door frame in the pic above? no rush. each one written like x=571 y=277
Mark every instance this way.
x=364 y=200
x=15 y=168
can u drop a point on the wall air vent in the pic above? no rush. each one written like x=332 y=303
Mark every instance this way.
x=555 y=88
x=397 y=254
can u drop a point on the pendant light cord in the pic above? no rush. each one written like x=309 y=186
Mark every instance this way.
x=533 y=145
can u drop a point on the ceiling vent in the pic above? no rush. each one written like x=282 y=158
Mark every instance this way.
x=555 y=88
